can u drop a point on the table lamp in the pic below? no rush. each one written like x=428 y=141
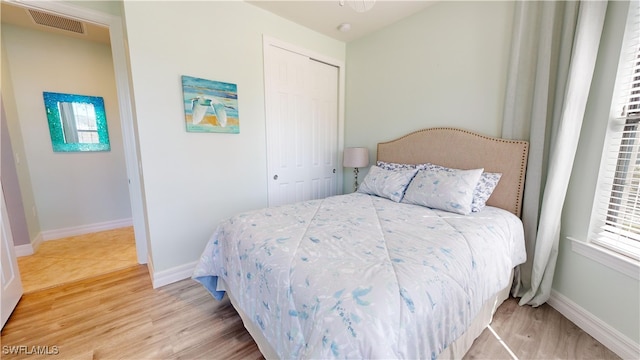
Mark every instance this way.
x=356 y=157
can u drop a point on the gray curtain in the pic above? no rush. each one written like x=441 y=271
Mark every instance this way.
x=553 y=54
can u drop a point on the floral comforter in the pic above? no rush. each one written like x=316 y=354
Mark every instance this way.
x=358 y=276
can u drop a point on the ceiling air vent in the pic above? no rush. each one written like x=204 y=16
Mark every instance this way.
x=56 y=21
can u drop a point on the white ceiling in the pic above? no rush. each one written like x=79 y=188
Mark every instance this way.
x=325 y=16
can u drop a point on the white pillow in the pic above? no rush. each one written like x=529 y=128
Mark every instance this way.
x=389 y=184
x=484 y=189
x=444 y=189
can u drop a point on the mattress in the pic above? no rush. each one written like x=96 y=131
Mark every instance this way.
x=358 y=276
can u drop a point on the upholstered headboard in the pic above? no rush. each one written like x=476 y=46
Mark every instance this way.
x=462 y=149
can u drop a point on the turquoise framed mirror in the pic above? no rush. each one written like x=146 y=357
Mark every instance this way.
x=76 y=122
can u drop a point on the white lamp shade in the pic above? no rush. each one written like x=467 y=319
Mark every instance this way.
x=356 y=157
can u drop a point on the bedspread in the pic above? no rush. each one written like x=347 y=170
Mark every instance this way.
x=358 y=276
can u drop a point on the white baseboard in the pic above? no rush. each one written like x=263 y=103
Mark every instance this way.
x=29 y=249
x=85 y=229
x=169 y=276
x=24 y=250
x=604 y=333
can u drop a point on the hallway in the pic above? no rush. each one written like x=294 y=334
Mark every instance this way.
x=57 y=262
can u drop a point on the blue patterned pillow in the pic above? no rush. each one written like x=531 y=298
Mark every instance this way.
x=449 y=190
x=389 y=184
x=396 y=166
x=484 y=189
x=482 y=192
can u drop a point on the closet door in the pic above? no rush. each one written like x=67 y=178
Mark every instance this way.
x=302 y=126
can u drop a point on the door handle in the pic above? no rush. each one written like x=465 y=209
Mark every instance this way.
x=275 y=177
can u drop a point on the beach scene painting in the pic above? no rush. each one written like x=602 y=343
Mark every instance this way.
x=210 y=106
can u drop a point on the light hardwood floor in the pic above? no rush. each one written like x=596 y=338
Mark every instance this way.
x=120 y=316
x=61 y=261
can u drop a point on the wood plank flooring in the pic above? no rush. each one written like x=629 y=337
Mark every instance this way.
x=120 y=316
x=536 y=333
x=79 y=257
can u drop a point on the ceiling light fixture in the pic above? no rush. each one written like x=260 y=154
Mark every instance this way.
x=344 y=27
x=359 y=5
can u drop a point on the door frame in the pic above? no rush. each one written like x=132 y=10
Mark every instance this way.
x=271 y=41
x=9 y=299
x=121 y=70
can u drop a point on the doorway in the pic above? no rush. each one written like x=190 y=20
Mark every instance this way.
x=132 y=179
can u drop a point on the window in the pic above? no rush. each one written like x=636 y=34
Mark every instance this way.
x=86 y=124
x=616 y=221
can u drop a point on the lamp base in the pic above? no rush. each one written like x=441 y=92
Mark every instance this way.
x=355 y=175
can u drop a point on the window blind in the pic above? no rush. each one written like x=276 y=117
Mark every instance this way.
x=618 y=203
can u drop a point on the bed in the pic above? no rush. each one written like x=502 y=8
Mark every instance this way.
x=405 y=267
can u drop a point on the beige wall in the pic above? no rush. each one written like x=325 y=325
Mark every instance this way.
x=70 y=189
x=18 y=153
x=11 y=187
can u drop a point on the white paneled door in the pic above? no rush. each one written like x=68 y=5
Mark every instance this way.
x=302 y=126
x=11 y=289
